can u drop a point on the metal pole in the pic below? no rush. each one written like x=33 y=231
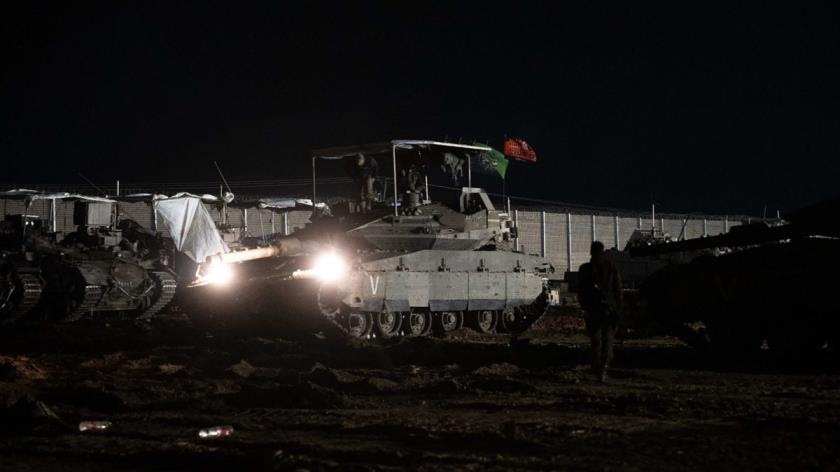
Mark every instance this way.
x=25 y=212
x=245 y=219
x=118 y=188
x=593 y=227
x=52 y=216
x=224 y=205
x=705 y=228
x=469 y=173
x=516 y=225
x=285 y=224
x=428 y=197
x=394 y=159
x=314 y=201
x=615 y=226
x=273 y=230
x=726 y=224
x=569 y=239
x=653 y=219
x=154 y=217
x=222 y=176
x=542 y=237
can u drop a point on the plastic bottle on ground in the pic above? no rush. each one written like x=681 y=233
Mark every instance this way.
x=93 y=426
x=215 y=432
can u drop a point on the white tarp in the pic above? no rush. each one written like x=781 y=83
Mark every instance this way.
x=191 y=226
x=288 y=203
x=33 y=195
x=141 y=197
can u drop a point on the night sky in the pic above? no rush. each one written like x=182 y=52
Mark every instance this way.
x=715 y=109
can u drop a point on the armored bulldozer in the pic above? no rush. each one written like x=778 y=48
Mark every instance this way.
x=99 y=267
x=405 y=265
x=770 y=282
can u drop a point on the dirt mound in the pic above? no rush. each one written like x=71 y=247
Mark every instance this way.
x=20 y=368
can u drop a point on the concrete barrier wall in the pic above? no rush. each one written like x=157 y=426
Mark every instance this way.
x=566 y=237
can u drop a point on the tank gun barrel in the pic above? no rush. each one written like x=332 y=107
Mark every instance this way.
x=745 y=235
x=281 y=247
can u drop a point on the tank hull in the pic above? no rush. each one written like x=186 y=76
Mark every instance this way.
x=445 y=281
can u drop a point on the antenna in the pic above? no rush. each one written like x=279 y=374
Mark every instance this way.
x=93 y=184
x=222 y=176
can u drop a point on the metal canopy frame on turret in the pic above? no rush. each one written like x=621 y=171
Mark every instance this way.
x=336 y=153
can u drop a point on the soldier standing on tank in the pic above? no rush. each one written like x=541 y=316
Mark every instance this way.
x=365 y=172
x=601 y=300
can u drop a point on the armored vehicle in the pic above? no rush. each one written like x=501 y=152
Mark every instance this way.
x=406 y=265
x=99 y=267
x=765 y=282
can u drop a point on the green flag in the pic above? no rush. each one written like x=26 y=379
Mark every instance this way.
x=493 y=160
x=501 y=162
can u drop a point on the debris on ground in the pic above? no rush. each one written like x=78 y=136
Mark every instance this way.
x=215 y=432
x=94 y=426
x=448 y=404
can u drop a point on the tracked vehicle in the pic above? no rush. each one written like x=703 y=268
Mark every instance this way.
x=100 y=267
x=409 y=266
x=763 y=282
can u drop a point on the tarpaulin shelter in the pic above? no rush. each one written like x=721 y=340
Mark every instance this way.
x=191 y=227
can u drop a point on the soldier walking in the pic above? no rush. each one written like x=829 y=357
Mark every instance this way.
x=601 y=300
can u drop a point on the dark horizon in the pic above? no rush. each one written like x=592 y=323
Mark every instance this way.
x=719 y=110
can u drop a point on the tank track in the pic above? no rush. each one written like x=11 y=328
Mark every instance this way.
x=165 y=292
x=32 y=289
x=93 y=294
x=331 y=311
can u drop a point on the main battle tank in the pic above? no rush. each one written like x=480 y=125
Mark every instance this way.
x=409 y=266
x=759 y=282
x=97 y=268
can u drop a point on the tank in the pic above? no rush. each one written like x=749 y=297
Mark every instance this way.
x=408 y=266
x=98 y=268
x=765 y=284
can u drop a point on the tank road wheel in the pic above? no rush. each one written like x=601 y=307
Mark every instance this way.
x=518 y=319
x=447 y=321
x=418 y=323
x=359 y=325
x=388 y=323
x=485 y=321
x=510 y=321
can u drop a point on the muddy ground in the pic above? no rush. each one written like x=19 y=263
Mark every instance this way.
x=467 y=402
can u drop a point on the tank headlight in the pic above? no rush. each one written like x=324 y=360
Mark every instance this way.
x=218 y=274
x=329 y=267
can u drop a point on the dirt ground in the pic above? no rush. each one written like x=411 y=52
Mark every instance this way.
x=467 y=402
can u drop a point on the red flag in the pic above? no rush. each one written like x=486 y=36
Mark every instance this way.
x=519 y=149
